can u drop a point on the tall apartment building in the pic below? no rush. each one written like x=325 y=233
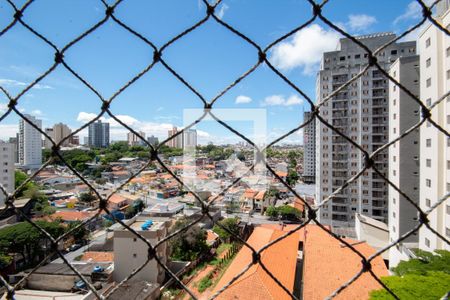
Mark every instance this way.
x=58 y=132
x=309 y=149
x=176 y=141
x=434 y=48
x=7 y=156
x=30 y=143
x=186 y=140
x=98 y=134
x=360 y=112
x=48 y=131
x=15 y=142
x=134 y=140
x=404 y=113
x=190 y=139
x=153 y=140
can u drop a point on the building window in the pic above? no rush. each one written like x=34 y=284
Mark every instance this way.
x=448 y=209
x=428 y=161
x=427 y=242
x=428 y=202
x=428 y=62
x=448 y=74
x=428 y=182
x=393 y=52
x=428 y=82
x=448 y=164
x=447 y=232
x=134 y=255
x=428 y=42
x=448 y=51
x=428 y=143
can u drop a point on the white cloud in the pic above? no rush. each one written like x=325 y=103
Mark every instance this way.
x=118 y=132
x=360 y=22
x=413 y=12
x=85 y=117
x=8 y=130
x=243 y=99
x=16 y=83
x=36 y=112
x=160 y=108
x=305 y=49
x=223 y=8
x=280 y=100
x=3 y=107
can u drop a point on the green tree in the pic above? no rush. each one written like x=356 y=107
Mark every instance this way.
x=189 y=244
x=78 y=234
x=287 y=212
x=425 y=261
x=424 y=277
x=23 y=238
x=292 y=177
x=87 y=197
x=272 y=212
x=19 y=178
x=232 y=224
x=433 y=285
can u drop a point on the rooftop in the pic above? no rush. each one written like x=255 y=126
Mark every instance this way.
x=256 y=283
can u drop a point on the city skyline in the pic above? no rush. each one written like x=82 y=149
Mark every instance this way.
x=160 y=106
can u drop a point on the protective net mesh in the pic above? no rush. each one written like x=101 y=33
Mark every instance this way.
x=19 y=19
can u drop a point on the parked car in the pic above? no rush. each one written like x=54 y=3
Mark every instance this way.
x=74 y=247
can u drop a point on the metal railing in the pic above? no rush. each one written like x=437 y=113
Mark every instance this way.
x=19 y=19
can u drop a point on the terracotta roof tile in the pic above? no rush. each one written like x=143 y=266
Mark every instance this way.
x=328 y=264
x=97 y=256
x=255 y=283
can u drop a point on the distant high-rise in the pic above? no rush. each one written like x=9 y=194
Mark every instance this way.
x=190 y=139
x=47 y=143
x=6 y=169
x=173 y=143
x=360 y=111
x=309 y=149
x=153 y=140
x=15 y=142
x=30 y=143
x=134 y=140
x=99 y=134
x=404 y=113
x=434 y=145
x=58 y=132
x=186 y=140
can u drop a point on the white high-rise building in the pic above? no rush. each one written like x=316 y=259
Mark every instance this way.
x=434 y=48
x=309 y=149
x=134 y=140
x=6 y=169
x=190 y=139
x=359 y=111
x=404 y=113
x=30 y=143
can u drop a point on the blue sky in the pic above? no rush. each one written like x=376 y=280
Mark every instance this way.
x=209 y=58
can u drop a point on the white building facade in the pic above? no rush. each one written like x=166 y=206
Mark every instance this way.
x=30 y=143
x=434 y=48
x=6 y=169
x=359 y=111
x=404 y=113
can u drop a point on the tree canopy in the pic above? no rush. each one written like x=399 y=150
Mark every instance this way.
x=424 y=277
x=189 y=244
x=232 y=224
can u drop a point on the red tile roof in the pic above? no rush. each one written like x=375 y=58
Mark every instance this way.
x=116 y=199
x=97 y=256
x=328 y=264
x=72 y=215
x=280 y=259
